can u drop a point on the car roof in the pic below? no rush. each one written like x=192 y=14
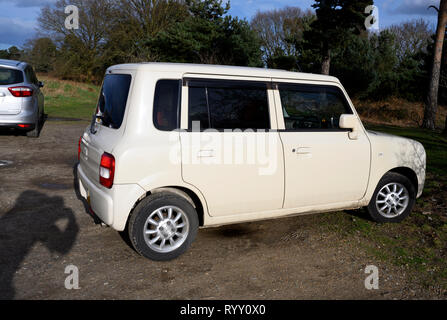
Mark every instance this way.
x=12 y=63
x=222 y=70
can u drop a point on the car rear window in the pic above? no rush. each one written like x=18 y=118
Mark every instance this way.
x=10 y=76
x=113 y=99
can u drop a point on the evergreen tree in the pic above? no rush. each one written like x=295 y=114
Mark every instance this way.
x=336 y=20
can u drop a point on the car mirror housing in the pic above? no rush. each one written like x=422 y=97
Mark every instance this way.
x=350 y=121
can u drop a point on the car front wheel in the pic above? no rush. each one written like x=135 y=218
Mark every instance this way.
x=163 y=226
x=393 y=199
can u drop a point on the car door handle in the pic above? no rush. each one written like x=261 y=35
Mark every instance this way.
x=205 y=154
x=303 y=152
x=2 y=94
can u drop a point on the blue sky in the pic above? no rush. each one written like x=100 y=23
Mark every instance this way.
x=18 y=17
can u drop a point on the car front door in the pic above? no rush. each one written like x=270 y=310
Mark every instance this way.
x=323 y=165
x=228 y=151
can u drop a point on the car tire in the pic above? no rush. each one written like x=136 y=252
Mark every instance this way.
x=393 y=200
x=163 y=226
x=36 y=131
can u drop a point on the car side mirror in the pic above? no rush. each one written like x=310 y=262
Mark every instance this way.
x=350 y=121
x=40 y=84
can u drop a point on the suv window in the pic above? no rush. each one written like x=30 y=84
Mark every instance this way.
x=228 y=104
x=113 y=99
x=33 y=76
x=167 y=105
x=308 y=107
x=10 y=76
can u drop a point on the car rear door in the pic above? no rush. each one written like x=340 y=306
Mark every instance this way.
x=229 y=152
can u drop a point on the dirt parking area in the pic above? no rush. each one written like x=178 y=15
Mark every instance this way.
x=44 y=228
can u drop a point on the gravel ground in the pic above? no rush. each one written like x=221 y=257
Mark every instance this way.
x=44 y=228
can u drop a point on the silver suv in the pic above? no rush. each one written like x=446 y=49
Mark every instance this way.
x=21 y=100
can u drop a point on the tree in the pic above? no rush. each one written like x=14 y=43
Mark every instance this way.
x=431 y=103
x=335 y=20
x=410 y=37
x=278 y=30
x=209 y=36
x=12 y=53
x=81 y=49
x=134 y=22
x=41 y=53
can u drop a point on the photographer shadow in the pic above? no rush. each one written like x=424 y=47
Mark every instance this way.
x=34 y=218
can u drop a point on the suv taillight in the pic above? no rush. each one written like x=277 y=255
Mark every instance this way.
x=79 y=148
x=107 y=170
x=21 y=92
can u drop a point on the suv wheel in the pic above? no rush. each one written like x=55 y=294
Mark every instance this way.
x=36 y=131
x=393 y=199
x=163 y=226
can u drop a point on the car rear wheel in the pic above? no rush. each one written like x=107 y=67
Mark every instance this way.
x=163 y=226
x=36 y=131
x=393 y=199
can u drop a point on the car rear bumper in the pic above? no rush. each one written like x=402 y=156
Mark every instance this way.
x=111 y=206
x=13 y=120
x=99 y=201
x=19 y=126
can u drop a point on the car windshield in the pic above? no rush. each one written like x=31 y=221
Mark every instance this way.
x=10 y=76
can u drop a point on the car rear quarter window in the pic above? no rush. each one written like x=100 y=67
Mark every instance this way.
x=113 y=99
x=10 y=76
x=230 y=105
x=312 y=107
x=167 y=105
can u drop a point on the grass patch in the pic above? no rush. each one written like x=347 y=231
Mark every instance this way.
x=68 y=99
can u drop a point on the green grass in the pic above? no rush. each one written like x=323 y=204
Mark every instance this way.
x=66 y=99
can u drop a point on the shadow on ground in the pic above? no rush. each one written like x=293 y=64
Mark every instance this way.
x=33 y=219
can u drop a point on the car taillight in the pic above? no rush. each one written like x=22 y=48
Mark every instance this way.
x=79 y=148
x=107 y=170
x=21 y=92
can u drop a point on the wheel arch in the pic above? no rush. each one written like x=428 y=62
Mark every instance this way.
x=409 y=173
x=183 y=192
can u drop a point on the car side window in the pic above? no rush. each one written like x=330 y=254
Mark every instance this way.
x=312 y=107
x=33 y=77
x=228 y=104
x=167 y=105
